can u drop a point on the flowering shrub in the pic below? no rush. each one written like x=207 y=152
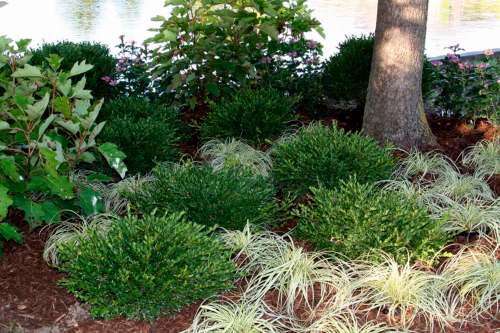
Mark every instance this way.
x=205 y=49
x=467 y=89
x=48 y=128
x=133 y=76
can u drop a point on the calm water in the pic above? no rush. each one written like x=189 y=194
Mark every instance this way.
x=475 y=24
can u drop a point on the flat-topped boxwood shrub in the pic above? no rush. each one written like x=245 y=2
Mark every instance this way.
x=146 y=132
x=356 y=219
x=252 y=115
x=324 y=155
x=93 y=53
x=227 y=198
x=143 y=268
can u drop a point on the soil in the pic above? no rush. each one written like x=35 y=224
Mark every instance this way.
x=32 y=301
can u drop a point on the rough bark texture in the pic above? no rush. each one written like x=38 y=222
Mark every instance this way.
x=394 y=109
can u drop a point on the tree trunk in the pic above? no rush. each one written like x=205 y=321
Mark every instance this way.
x=394 y=110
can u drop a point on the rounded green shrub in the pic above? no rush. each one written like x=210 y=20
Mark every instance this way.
x=347 y=73
x=252 y=115
x=318 y=154
x=93 y=53
x=227 y=198
x=147 y=133
x=143 y=268
x=359 y=219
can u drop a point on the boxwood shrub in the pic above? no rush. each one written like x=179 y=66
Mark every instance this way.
x=324 y=155
x=347 y=73
x=146 y=132
x=93 y=53
x=358 y=219
x=252 y=115
x=143 y=268
x=228 y=198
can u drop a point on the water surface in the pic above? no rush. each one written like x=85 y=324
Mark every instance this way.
x=474 y=24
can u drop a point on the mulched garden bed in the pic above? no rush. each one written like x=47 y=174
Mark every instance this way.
x=31 y=300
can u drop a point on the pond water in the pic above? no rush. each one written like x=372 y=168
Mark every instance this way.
x=474 y=24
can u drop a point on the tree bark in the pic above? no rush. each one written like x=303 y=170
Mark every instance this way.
x=394 y=110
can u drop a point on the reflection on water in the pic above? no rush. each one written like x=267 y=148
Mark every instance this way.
x=475 y=24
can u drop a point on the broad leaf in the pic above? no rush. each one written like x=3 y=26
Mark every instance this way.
x=9 y=168
x=80 y=68
x=114 y=157
x=28 y=71
x=9 y=232
x=36 y=110
x=91 y=202
x=5 y=201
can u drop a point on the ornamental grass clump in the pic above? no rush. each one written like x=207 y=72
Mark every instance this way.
x=484 y=158
x=345 y=322
x=229 y=198
x=235 y=153
x=322 y=155
x=230 y=316
x=421 y=165
x=474 y=275
x=142 y=268
x=298 y=277
x=461 y=188
x=362 y=220
x=404 y=293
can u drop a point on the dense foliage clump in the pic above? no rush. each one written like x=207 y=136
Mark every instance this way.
x=359 y=219
x=146 y=131
x=93 y=53
x=252 y=115
x=228 y=198
x=142 y=268
x=326 y=155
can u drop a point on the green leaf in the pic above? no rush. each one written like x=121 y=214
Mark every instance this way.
x=60 y=186
x=170 y=35
x=54 y=61
x=62 y=105
x=270 y=30
x=91 y=202
x=114 y=157
x=213 y=88
x=10 y=232
x=4 y=125
x=64 y=86
x=79 y=90
x=35 y=213
x=5 y=201
x=9 y=168
x=88 y=157
x=27 y=71
x=68 y=125
x=45 y=125
x=80 y=68
x=36 y=110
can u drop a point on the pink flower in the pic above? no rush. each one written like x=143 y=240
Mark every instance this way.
x=483 y=65
x=489 y=52
x=113 y=83
x=312 y=44
x=266 y=60
x=436 y=63
x=106 y=79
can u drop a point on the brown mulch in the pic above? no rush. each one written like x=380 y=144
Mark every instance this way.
x=31 y=299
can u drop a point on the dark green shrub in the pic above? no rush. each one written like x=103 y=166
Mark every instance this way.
x=252 y=115
x=318 y=154
x=347 y=72
x=93 y=53
x=146 y=132
x=143 y=268
x=358 y=219
x=228 y=198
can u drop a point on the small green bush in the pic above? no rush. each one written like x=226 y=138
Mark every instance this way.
x=93 y=53
x=143 y=268
x=326 y=155
x=347 y=72
x=252 y=115
x=228 y=198
x=146 y=132
x=358 y=219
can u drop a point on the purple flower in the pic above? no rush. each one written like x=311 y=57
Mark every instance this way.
x=259 y=46
x=436 y=63
x=312 y=44
x=266 y=60
x=113 y=83
x=453 y=58
x=106 y=79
